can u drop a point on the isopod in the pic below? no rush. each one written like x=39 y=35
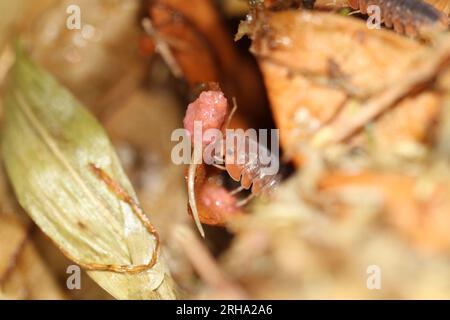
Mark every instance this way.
x=210 y=109
x=405 y=16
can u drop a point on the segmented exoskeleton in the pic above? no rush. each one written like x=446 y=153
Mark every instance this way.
x=405 y=16
x=242 y=164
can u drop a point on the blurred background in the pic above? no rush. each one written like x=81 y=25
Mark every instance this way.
x=366 y=218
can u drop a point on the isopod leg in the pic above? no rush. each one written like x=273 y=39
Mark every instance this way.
x=218 y=166
x=244 y=201
x=237 y=190
x=230 y=116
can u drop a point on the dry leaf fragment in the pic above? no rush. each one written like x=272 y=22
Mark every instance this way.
x=417 y=206
x=49 y=142
x=409 y=122
x=205 y=52
x=99 y=62
x=23 y=274
x=327 y=76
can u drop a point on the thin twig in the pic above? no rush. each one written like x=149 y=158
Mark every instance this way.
x=163 y=48
x=424 y=72
x=204 y=263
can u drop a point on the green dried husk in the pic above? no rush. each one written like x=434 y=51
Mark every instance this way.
x=49 y=142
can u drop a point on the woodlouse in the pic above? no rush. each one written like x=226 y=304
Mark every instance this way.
x=405 y=16
x=242 y=166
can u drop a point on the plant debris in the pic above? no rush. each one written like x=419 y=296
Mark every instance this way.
x=93 y=177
